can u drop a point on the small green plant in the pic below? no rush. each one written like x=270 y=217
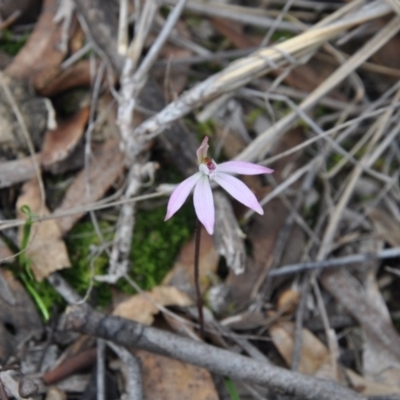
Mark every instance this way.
x=234 y=395
x=25 y=272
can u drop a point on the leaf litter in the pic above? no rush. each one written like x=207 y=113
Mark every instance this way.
x=309 y=89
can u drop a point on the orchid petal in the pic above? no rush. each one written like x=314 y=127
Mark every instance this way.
x=239 y=191
x=204 y=203
x=180 y=194
x=202 y=150
x=243 y=168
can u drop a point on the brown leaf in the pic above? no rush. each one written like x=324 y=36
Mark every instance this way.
x=60 y=142
x=106 y=164
x=314 y=354
x=46 y=249
x=141 y=307
x=386 y=226
x=75 y=76
x=39 y=60
x=168 y=379
x=370 y=388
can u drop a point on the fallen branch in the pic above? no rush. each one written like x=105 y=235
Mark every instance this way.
x=132 y=334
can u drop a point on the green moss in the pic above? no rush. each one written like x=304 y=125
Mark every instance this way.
x=155 y=245
x=87 y=260
x=12 y=45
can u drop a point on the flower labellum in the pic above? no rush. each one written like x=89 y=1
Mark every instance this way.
x=220 y=173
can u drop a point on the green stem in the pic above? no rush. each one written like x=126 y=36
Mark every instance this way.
x=197 y=277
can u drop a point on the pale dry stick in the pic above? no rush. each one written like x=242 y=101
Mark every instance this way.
x=335 y=218
x=277 y=22
x=142 y=30
x=7 y=224
x=338 y=262
x=283 y=186
x=76 y=56
x=395 y=5
x=357 y=147
x=310 y=4
x=123 y=25
x=361 y=143
x=119 y=259
x=367 y=66
x=243 y=71
x=244 y=15
x=297 y=94
x=131 y=86
x=313 y=125
x=129 y=333
x=263 y=142
x=137 y=81
x=331 y=131
x=179 y=40
x=368 y=112
x=100 y=370
x=133 y=373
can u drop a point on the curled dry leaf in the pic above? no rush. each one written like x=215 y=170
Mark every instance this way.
x=46 y=249
x=38 y=61
x=59 y=143
x=142 y=307
x=314 y=354
x=164 y=377
x=386 y=226
x=105 y=166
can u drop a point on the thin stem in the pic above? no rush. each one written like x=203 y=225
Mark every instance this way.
x=197 y=277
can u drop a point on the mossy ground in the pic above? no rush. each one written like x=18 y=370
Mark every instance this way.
x=155 y=245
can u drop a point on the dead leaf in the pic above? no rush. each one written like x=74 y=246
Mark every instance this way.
x=288 y=301
x=59 y=143
x=314 y=354
x=168 y=379
x=141 y=307
x=106 y=164
x=380 y=364
x=368 y=387
x=182 y=273
x=38 y=61
x=76 y=76
x=46 y=249
x=386 y=226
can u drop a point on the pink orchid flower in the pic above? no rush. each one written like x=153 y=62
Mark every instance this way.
x=220 y=173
